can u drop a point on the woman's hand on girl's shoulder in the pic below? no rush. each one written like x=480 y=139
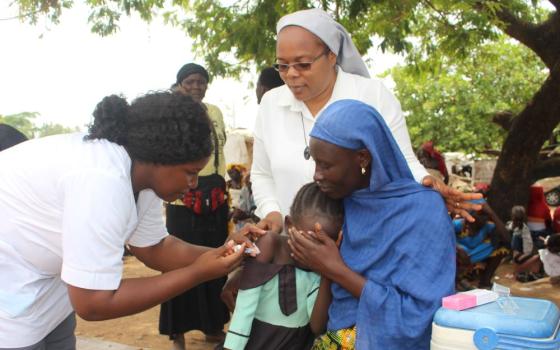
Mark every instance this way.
x=457 y=202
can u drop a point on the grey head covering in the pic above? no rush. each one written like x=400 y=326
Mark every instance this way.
x=332 y=33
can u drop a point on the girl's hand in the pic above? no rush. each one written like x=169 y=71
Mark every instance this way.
x=311 y=248
x=456 y=201
x=218 y=262
x=319 y=252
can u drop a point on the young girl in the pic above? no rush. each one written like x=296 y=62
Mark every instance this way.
x=527 y=263
x=551 y=258
x=280 y=304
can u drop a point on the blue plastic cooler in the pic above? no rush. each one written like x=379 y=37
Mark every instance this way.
x=533 y=326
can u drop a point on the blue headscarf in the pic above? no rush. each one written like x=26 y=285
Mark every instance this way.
x=397 y=234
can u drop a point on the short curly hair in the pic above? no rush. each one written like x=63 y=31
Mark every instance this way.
x=160 y=127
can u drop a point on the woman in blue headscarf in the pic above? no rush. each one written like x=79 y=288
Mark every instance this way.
x=397 y=257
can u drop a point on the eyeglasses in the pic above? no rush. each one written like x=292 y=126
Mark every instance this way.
x=299 y=66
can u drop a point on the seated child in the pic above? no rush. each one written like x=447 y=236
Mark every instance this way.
x=279 y=304
x=551 y=258
x=483 y=241
x=527 y=263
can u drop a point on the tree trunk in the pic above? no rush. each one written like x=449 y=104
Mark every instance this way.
x=530 y=129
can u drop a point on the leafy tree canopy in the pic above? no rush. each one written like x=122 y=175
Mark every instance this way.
x=25 y=123
x=233 y=35
x=453 y=102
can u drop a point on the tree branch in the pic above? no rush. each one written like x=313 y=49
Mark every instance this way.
x=523 y=31
x=546 y=168
x=491 y=152
x=22 y=16
x=440 y=17
x=503 y=119
x=540 y=38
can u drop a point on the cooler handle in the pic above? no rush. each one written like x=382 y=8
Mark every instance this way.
x=489 y=339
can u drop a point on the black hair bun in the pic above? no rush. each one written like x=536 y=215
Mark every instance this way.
x=110 y=120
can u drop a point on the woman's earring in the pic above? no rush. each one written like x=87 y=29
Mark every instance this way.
x=363 y=171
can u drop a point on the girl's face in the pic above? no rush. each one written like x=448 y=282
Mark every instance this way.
x=337 y=169
x=172 y=182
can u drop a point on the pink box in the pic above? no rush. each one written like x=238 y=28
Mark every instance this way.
x=460 y=301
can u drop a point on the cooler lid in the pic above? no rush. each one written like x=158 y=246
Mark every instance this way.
x=535 y=318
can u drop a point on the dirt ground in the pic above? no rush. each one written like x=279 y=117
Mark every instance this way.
x=141 y=330
x=541 y=288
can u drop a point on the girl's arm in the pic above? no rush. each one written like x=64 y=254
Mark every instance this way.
x=266 y=246
x=320 y=313
x=239 y=330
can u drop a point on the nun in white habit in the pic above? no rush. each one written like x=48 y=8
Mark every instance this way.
x=320 y=64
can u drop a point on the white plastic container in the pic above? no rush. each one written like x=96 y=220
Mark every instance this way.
x=534 y=325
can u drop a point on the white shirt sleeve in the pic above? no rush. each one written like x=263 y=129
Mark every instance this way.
x=262 y=180
x=390 y=109
x=99 y=212
x=151 y=226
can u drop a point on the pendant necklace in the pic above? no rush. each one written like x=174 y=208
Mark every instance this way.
x=306 y=153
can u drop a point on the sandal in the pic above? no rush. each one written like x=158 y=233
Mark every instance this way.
x=525 y=277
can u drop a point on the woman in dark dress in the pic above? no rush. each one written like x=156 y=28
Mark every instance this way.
x=201 y=217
